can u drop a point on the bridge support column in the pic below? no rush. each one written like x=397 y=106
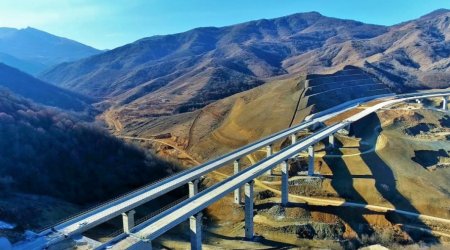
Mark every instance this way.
x=193 y=187
x=249 y=210
x=195 y=225
x=444 y=103
x=293 y=139
x=269 y=151
x=128 y=220
x=284 y=183
x=237 y=192
x=331 y=140
x=311 y=160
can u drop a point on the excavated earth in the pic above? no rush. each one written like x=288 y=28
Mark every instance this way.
x=378 y=162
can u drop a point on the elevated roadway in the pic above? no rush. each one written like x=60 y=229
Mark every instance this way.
x=154 y=227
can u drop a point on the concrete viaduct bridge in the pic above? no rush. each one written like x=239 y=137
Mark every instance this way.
x=241 y=184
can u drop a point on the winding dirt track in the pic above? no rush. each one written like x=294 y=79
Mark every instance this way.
x=191 y=129
x=183 y=152
x=111 y=121
x=342 y=203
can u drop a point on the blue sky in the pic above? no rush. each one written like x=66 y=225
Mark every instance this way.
x=106 y=24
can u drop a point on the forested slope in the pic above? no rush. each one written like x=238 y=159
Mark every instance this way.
x=45 y=151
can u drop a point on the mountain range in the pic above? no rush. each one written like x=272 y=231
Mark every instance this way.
x=182 y=72
x=185 y=71
x=32 y=50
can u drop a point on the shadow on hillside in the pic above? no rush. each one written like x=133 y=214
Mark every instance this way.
x=270 y=243
x=342 y=182
x=428 y=158
x=385 y=181
x=358 y=176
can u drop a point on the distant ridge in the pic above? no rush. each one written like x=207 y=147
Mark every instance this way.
x=186 y=71
x=33 y=50
x=435 y=13
x=183 y=72
x=38 y=91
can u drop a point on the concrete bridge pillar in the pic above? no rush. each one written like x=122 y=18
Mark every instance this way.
x=249 y=210
x=237 y=192
x=269 y=151
x=331 y=140
x=349 y=128
x=444 y=103
x=195 y=226
x=311 y=160
x=128 y=220
x=193 y=187
x=293 y=139
x=284 y=183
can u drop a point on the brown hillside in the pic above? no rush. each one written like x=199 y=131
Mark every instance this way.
x=245 y=117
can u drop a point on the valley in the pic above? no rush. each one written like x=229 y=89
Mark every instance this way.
x=236 y=121
x=97 y=146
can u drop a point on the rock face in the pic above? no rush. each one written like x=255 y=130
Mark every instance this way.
x=32 y=50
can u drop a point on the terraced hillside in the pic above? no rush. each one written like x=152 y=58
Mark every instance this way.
x=350 y=83
x=245 y=117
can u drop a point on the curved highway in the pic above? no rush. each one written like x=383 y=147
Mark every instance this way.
x=171 y=217
x=168 y=219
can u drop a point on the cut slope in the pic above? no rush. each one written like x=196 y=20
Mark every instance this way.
x=327 y=91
